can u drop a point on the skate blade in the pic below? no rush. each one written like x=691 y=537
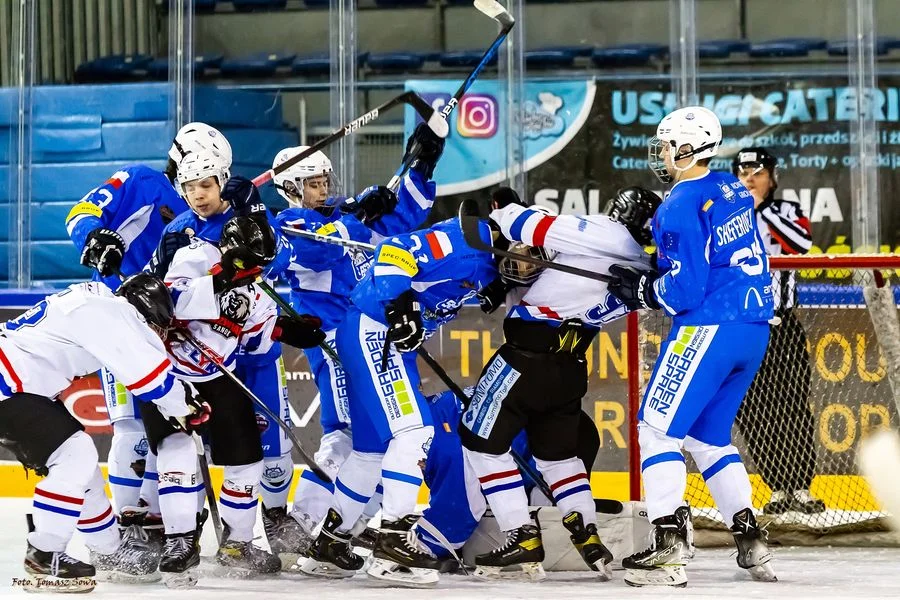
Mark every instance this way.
x=673 y=576
x=603 y=570
x=131 y=579
x=46 y=583
x=314 y=568
x=289 y=559
x=390 y=572
x=763 y=572
x=185 y=579
x=525 y=571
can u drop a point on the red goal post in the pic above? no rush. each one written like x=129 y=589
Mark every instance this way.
x=848 y=387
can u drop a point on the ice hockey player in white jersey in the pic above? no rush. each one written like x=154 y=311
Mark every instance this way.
x=68 y=335
x=536 y=379
x=223 y=310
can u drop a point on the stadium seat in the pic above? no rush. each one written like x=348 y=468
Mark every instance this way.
x=842 y=48
x=251 y=5
x=573 y=50
x=396 y=61
x=260 y=64
x=808 y=43
x=464 y=58
x=623 y=56
x=728 y=45
x=549 y=59
x=317 y=64
x=317 y=3
x=120 y=67
x=782 y=49
x=400 y=3
x=159 y=68
x=890 y=43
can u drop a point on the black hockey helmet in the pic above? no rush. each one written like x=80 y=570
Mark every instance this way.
x=634 y=208
x=757 y=158
x=150 y=296
x=249 y=241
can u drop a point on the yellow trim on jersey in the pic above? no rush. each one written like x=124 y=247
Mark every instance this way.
x=398 y=257
x=327 y=229
x=84 y=208
x=708 y=205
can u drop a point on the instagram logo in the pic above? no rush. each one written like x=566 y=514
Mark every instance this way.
x=477 y=116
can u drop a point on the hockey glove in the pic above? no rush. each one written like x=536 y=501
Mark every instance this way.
x=633 y=287
x=302 y=333
x=404 y=320
x=503 y=197
x=226 y=276
x=427 y=147
x=103 y=250
x=373 y=203
x=171 y=243
x=491 y=296
x=243 y=196
x=187 y=415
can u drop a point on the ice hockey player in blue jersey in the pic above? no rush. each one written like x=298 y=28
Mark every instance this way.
x=418 y=282
x=714 y=282
x=322 y=277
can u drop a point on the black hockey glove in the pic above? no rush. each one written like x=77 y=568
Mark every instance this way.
x=633 y=287
x=404 y=321
x=304 y=332
x=243 y=196
x=371 y=204
x=491 y=296
x=103 y=250
x=226 y=276
x=503 y=197
x=170 y=243
x=198 y=411
x=427 y=147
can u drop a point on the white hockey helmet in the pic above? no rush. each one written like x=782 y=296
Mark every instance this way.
x=194 y=137
x=693 y=132
x=289 y=183
x=200 y=164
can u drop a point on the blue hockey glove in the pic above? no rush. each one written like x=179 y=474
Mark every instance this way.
x=243 y=196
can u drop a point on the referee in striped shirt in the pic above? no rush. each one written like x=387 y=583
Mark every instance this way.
x=776 y=418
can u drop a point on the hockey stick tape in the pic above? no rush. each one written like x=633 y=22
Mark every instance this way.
x=490 y=7
x=438 y=124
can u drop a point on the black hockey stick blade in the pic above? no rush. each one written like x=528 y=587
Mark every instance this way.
x=472 y=236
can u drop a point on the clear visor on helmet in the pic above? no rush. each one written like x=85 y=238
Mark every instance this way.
x=313 y=191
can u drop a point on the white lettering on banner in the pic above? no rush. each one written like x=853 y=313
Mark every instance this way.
x=573 y=200
x=825 y=204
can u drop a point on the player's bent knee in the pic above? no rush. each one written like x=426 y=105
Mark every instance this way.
x=412 y=442
x=76 y=459
x=656 y=443
x=707 y=455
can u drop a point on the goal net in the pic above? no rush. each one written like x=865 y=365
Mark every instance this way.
x=823 y=387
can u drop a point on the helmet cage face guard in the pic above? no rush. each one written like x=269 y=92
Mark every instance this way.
x=521 y=272
x=656 y=159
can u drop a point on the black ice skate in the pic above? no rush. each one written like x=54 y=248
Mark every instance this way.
x=753 y=553
x=57 y=572
x=522 y=553
x=587 y=541
x=330 y=555
x=401 y=559
x=287 y=538
x=243 y=559
x=133 y=562
x=671 y=547
x=181 y=559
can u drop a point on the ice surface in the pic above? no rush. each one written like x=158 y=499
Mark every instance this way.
x=815 y=573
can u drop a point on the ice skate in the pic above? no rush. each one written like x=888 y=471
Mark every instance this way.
x=57 y=572
x=778 y=504
x=243 y=559
x=671 y=548
x=803 y=501
x=180 y=561
x=288 y=539
x=753 y=553
x=330 y=555
x=134 y=561
x=401 y=559
x=522 y=553
x=587 y=542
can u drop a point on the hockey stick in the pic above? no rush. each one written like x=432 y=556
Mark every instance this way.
x=207 y=486
x=494 y=10
x=204 y=351
x=287 y=308
x=431 y=116
x=469 y=219
x=336 y=241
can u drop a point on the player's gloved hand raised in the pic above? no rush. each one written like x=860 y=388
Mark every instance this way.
x=404 y=320
x=427 y=148
x=371 y=204
x=103 y=250
x=304 y=332
x=634 y=287
x=228 y=276
x=491 y=296
x=243 y=196
x=188 y=414
x=170 y=243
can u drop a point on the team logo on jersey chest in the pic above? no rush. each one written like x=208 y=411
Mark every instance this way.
x=234 y=309
x=361 y=262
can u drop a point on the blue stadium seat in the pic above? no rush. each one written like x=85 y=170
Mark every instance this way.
x=251 y=5
x=260 y=64
x=842 y=48
x=400 y=3
x=431 y=55
x=549 y=59
x=890 y=43
x=311 y=65
x=574 y=50
x=317 y=3
x=464 y=58
x=728 y=45
x=808 y=43
x=635 y=55
x=782 y=49
x=396 y=61
x=120 y=67
x=159 y=68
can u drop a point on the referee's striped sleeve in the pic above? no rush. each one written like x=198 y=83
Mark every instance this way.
x=788 y=226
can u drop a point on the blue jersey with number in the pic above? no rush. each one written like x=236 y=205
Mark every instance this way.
x=713 y=267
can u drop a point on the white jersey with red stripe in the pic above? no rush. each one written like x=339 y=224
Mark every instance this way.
x=75 y=333
x=592 y=243
x=243 y=317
